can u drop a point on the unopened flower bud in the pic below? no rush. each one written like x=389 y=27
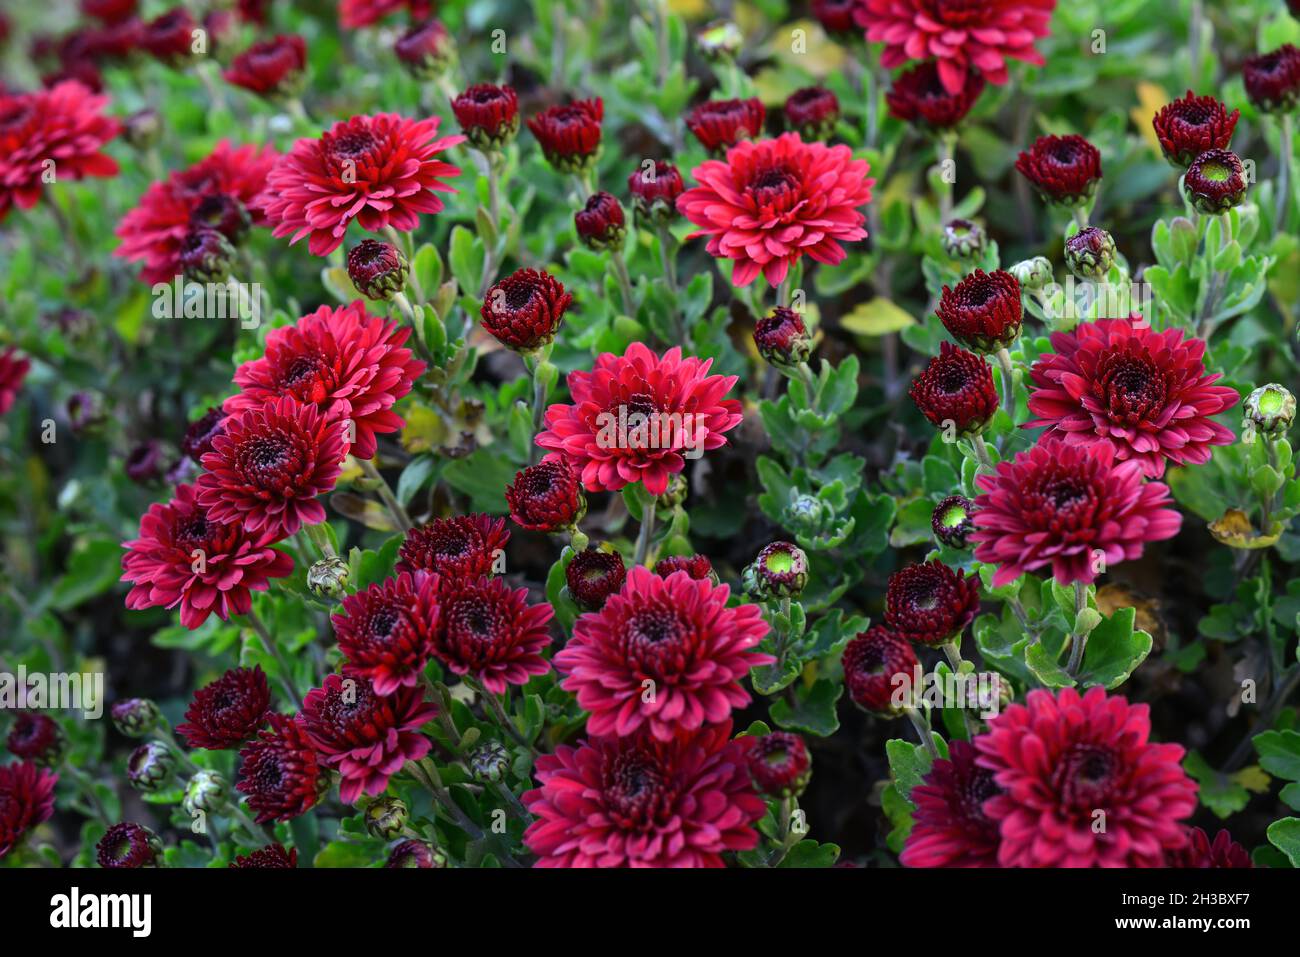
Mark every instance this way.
x=1033 y=273
x=963 y=239
x=416 y=854
x=426 y=49
x=779 y=571
x=489 y=762
x=206 y=256
x=1090 y=253
x=328 y=578
x=720 y=40
x=377 y=269
x=782 y=338
x=386 y=818
x=1270 y=409
x=952 y=521
x=600 y=223
x=779 y=764
x=135 y=717
x=675 y=493
x=205 y=791
x=142 y=129
x=150 y=767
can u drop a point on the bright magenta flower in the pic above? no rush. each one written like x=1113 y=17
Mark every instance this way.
x=1061 y=761
x=354 y=14
x=635 y=801
x=772 y=201
x=489 y=631
x=26 y=800
x=636 y=417
x=14 y=367
x=678 y=634
x=950 y=828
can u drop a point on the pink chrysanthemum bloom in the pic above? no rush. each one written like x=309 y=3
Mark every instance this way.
x=489 y=631
x=772 y=201
x=63 y=125
x=633 y=416
x=26 y=800
x=216 y=192
x=185 y=557
x=636 y=801
x=1064 y=506
x=386 y=632
x=14 y=367
x=354 y=14
x=959 y=34
x=950 y=828
x=1063 y=760
x=1146 y=394
x=380 y=170
x=676 y=632
x=351 y=365
x=364 y=736
x=266 y=470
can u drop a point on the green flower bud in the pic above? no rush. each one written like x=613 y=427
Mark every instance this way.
x=205 y=791
x=675 y=494
x=386 y=818
x=963 y=239
x=489 y=762
x=779 y=571
x=328 y=578
x=1270 y=410
x=378 y=270
x=1033 y=273
x=720 y=40
x=135 y=717
x=1090 y=253
x=150 y=767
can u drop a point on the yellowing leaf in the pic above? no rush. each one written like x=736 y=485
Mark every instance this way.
x=1151 y=97
x=1234 y=529
x=877 y=318
x=425 y=430
x=1253 y=778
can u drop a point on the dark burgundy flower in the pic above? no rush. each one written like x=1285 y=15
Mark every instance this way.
x=930 y=603
x=569 y=134
x=110 y=43
x=1188 y=127
x=778 y=763
x=952 y=520
x=919 y=96
x=280 y=771
x=1059 y=759
x=273 y=856
x=426 y=49
x=271 y=68
x=782 y=338
x=416 y=854
x=377 y=269
x=600 y=223
x=654 y=192
x=109 y=11
x=489 y=631
x=813 y=111
x=144 y=463
x=37 y=738
x=835 y=16
x=880 y=671
x=1063 y=169
x=546 y=497
x=637 y=801
x=719 y=124
x=128 y=845
x=270 y=465
x=524 y=310
x=365 y=736
x=697 y=566
x=14 y=367
x=170 y=37
x=224 y=213
x=1273 y=80
x=984 y=311
x=386 y=632
x=593 y=575
x=488 y=115
x=82 y=72
x=950 y=828
x=1065 y=506
x=1199 y=851
x=206 y=256
x=1215 y=182
x=200 y=433
x=956 y=387
x=461 y=547
x=26 y=801
x=229 y=711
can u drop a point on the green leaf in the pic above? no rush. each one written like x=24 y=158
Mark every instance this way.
x=1222 y=795
x=1285 y=836
x=1046 y=668
x=1279 y=753
x=1114 y=650
x=414 y=476
x=811 y=854
x=877 y=317
x=466 y=257
x=813 y=711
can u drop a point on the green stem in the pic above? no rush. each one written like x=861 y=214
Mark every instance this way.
x=321 y=540
x=255 y=622
x=952 y=649
x=946 y=148
x=647 y=530
x=1286 y=158
x=624 y=282
x=87 y=787
x=499 y=713
x=1078 y=642
x=667 y=259
x=1080 y=215
x=1008 y=383
x=981 y=451
x=534 y=364
x=922 y=727
x=386 y=495
x=1288 y=683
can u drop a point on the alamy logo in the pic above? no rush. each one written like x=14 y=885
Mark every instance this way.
x=209 y=300
x=60 y=691
x=74 y=910
x=638 y=430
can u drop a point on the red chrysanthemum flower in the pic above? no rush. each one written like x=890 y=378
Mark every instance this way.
x=775 y=200
x=109 y=11
x=351 y=365
x=1215 y=182
x=354 y=14
x=380 y=170
x=386 y=632
x=269 y=465
x=960 y=35
x=593 y=575
x=813 y=112
x=950 y=828
x=488 y=115
x=14 y=367
x=272 y=67
x=782 y=338
x=26 y=800
x=217 y=192
x=426 y=49
x=524 y=310
x=1188 y=127
x=600 y=224
x=170 y=36
x=654 y=190
x=634 y=801
x=983 y=312
x=569 y=134
x=835 y=16
x=952 y=521
x=930 y=603
x=63 y=126
x=957 y=387
x=184 y=557
x=37 y=738
x=464 y=546
x=546 y=497
x=228 y=711
x=635 y=417
x=280 y=771
x=676 y=632
x=919 y=96
x=1272 y=79
x=1200 y=852
x=1063 y=169
x=414 y=854
x=127 y=846
x=1060 y=760
x=365 y=736
x=697 y=566
x=778 y=763
x=489 y=631
x=1145 y=394
x=1064 y=506
x=719 y=124
x=272 y=856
